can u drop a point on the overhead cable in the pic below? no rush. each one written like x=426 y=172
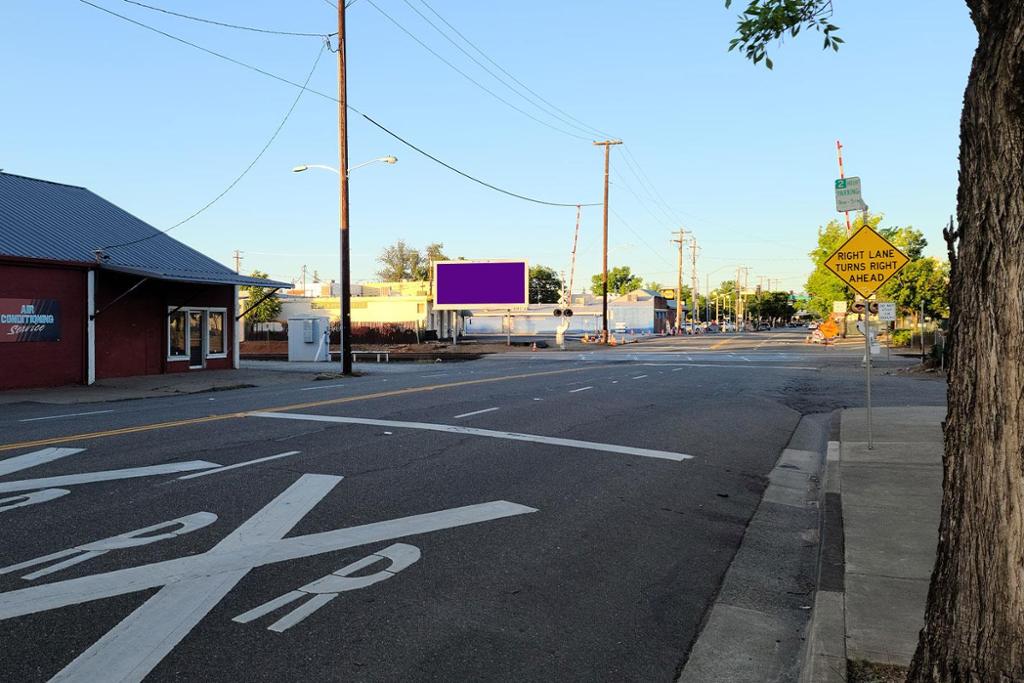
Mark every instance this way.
x=599 y=132
x=532 y=101
x=303 y=87
x=471 y=79
x=248 y=168
x=221 y=23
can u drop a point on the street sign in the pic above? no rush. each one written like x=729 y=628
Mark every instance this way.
x=828 y=329
x=848 y=194
x=887 y=311
x=866 y=261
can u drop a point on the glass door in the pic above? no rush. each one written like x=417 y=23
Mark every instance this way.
x=196 y=335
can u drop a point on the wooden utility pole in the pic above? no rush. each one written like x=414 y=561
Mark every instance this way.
x=693 y=279
x=607 y=144
x=680 y=240
x=238 y=261
x=346 y=287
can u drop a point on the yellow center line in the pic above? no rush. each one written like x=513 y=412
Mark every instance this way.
x=278 y=409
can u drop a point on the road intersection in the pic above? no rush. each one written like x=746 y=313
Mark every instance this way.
x=529 y=516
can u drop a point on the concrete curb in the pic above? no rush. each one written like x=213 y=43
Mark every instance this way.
x=756 y=629
x=825 y=655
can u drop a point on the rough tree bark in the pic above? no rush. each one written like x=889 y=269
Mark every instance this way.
x=974 y=623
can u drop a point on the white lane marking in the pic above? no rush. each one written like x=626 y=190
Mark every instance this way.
x=23 y=462
x=224 y=559
x=538 y=399
x=131 y=539
x=639 y=376
x=744 y=358
x=437 y=374
x=489 y=433
x=574 y=391
x=676 y=369
x=325 y=386
x=237 y=465
x=476 y=412
x=57 y=417
x=24 y=499
x=108 y=475
x=732 y=366
x=615 y=381
x=133 y=648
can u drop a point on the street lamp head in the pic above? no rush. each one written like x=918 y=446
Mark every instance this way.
x=300 y=169
x=390 y=159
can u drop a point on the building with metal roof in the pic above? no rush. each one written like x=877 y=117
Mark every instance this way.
x=89 y=291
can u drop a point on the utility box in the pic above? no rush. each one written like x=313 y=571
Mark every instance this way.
x=308 y=338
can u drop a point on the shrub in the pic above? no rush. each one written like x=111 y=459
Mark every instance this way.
x=902 y=337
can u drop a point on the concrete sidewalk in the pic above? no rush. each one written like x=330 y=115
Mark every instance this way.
x=877 y=564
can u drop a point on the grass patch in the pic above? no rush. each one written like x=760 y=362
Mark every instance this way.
x=859 y=671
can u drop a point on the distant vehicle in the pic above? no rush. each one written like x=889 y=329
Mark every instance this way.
x=812 y=326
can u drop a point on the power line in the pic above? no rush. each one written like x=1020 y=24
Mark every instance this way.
x=463 y=174
x=553 y=114
x=638 y=236
x=305 y=88
x=248 y=168
x=640 y=200
x=221 y=23
x=504 y=71
x=656 y=196
x=471 y=79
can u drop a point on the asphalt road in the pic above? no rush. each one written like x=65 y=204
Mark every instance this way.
x=523 y=517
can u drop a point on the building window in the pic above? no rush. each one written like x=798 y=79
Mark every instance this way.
x=215 y=327
x=185 y=338
x=177 y=334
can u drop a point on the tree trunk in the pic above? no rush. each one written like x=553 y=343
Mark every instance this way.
x=974 y=622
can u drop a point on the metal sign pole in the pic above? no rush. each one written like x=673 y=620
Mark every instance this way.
x=867 y=356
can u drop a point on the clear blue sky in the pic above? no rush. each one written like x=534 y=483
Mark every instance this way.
x=743 y=156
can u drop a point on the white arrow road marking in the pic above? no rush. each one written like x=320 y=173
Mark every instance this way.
x=237 y=465
x=131 y=539
x=573 y=391
x=23 y=462
x=107 y=475
x=490 y=433
x=23 y=499
x=399 y=555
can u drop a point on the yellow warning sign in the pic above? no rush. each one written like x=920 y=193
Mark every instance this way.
x=828 y=329
x=866 y=261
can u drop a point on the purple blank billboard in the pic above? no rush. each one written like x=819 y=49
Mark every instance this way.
x=481 y=284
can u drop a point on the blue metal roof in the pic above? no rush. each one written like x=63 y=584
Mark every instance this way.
x=51 y=221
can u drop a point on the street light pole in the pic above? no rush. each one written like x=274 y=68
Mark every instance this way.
x=346 y=287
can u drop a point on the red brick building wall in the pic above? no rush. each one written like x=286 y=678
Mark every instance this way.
x=45 y=363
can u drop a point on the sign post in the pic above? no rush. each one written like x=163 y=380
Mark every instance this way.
x=865 y=262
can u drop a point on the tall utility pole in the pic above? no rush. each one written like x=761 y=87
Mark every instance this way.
x=839 y=151
x=607 y=144
x=736 y=300
x=346 y=287
x=693 y=279
x=304 y=281
x=238 y=261
x=680 y=240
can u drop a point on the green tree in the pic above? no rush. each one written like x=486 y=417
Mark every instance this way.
x=975 y=612
x=621 y=280
x=655 y=285
x=425 y=268
x=399 y=262
x=268 y=309
x=772 y=306
x=545 y=285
